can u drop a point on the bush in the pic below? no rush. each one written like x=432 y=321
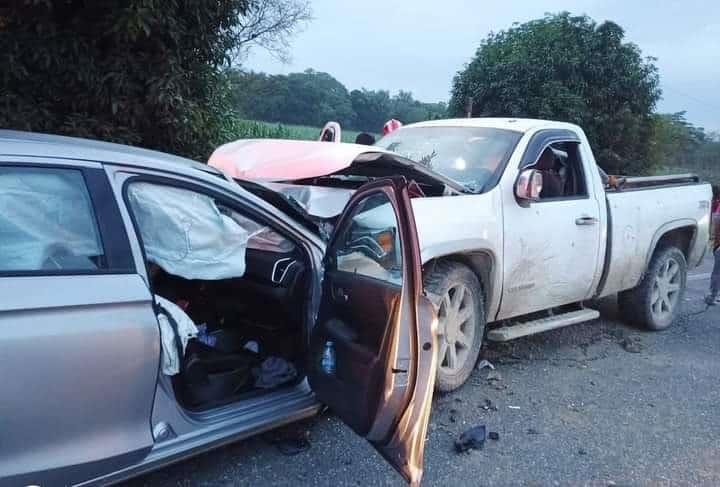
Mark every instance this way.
x=139 y=72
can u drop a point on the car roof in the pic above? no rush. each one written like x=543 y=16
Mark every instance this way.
x=516 y=124
x=31 y=144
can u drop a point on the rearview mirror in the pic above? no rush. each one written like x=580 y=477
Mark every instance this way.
x=529 y=185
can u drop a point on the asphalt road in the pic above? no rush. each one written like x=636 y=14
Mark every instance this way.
x=596 y=404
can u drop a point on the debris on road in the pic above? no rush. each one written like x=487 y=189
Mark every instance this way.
x=532 y=431
x=488 y=405
x=513 y=407
x=582 y=451
x=485 y=364
x=632 y=344
x=494 y=435
x=493 y=376
x=473 y=438
x=291 y=442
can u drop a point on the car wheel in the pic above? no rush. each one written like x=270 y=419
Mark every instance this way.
x=456 y=293
x=654 y=303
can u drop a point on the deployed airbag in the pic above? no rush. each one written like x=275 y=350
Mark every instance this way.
x=185 y=233
x=46 y=220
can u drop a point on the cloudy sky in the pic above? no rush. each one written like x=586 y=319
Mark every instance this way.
x=418 y=45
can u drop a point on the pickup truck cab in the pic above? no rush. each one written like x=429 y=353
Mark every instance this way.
x=519 y=228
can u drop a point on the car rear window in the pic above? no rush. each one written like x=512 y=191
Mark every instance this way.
x=47 y=222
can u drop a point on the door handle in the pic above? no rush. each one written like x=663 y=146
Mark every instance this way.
x=586 y=220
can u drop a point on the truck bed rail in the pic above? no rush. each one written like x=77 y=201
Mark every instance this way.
x=623 y=183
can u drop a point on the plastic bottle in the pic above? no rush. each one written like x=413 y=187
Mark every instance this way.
x=327 y=362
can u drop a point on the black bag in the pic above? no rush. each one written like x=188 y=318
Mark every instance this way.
x=209 y=375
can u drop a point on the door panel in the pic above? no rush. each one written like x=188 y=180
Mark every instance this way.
x=380 y=327
x=551 y=253
x=552 y=247
x=79 y=360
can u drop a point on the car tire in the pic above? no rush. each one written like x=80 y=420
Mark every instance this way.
x=457 y=296
x=655 y=302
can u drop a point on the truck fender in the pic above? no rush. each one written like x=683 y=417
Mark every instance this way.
x=483 y=263
x=667 y=228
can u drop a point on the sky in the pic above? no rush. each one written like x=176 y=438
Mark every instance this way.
x=419 y=45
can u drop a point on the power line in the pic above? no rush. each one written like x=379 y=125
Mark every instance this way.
x=705 y=103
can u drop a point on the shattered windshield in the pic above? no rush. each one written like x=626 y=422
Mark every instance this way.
x=468 y=155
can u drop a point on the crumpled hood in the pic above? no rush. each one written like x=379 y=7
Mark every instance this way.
x=286 y=160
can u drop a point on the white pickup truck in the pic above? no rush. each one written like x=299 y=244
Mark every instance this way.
x=518 y=226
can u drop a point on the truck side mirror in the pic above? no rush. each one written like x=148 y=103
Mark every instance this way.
x=529 y=185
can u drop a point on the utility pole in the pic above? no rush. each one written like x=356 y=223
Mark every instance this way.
x=469 y=106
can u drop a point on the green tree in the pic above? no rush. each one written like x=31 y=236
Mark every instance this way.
x=568 y=68
x=145 y=72
x=676 y=145
x=372 y=109
x=316 y=97
x=259 y=96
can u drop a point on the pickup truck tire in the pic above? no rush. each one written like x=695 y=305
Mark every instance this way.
x=654 y=303
x=457 y=295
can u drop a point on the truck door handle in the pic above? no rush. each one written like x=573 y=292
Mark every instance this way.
x=586 y=220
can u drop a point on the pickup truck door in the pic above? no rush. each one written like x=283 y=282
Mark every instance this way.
x=552 y=247
x=380 y=327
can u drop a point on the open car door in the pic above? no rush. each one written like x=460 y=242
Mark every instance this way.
x=372 y=358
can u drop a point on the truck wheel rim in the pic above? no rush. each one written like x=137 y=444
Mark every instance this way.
x=666 y=289
x=456 y=330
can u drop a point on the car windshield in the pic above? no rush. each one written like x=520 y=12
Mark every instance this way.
x=468 y=155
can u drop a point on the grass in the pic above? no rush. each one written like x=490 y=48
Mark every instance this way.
x=254 y=129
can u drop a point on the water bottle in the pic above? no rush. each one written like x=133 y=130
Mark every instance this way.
x=327 y=362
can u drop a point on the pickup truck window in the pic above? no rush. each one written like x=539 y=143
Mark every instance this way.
x=468 y=155
x=562 y=169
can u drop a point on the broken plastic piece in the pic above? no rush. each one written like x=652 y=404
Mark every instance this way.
x=474 y=438
x=494 y=435
x=485 y=364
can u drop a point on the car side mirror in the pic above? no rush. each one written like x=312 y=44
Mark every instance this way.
x=529 y=185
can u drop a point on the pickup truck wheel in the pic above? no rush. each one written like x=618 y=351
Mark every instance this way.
x=655 y=301
x=458 y=299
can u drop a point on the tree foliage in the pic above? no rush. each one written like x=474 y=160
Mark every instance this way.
x=271 y=24
x=313 y=98
x=146 y=72
x=568 y=68
x=678 y=146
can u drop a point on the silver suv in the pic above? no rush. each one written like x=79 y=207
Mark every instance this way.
x=152 y=308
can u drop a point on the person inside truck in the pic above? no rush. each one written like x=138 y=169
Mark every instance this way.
x=553 y=182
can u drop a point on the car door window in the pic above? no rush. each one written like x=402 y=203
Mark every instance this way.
x=47 y=222
x=370 y=245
